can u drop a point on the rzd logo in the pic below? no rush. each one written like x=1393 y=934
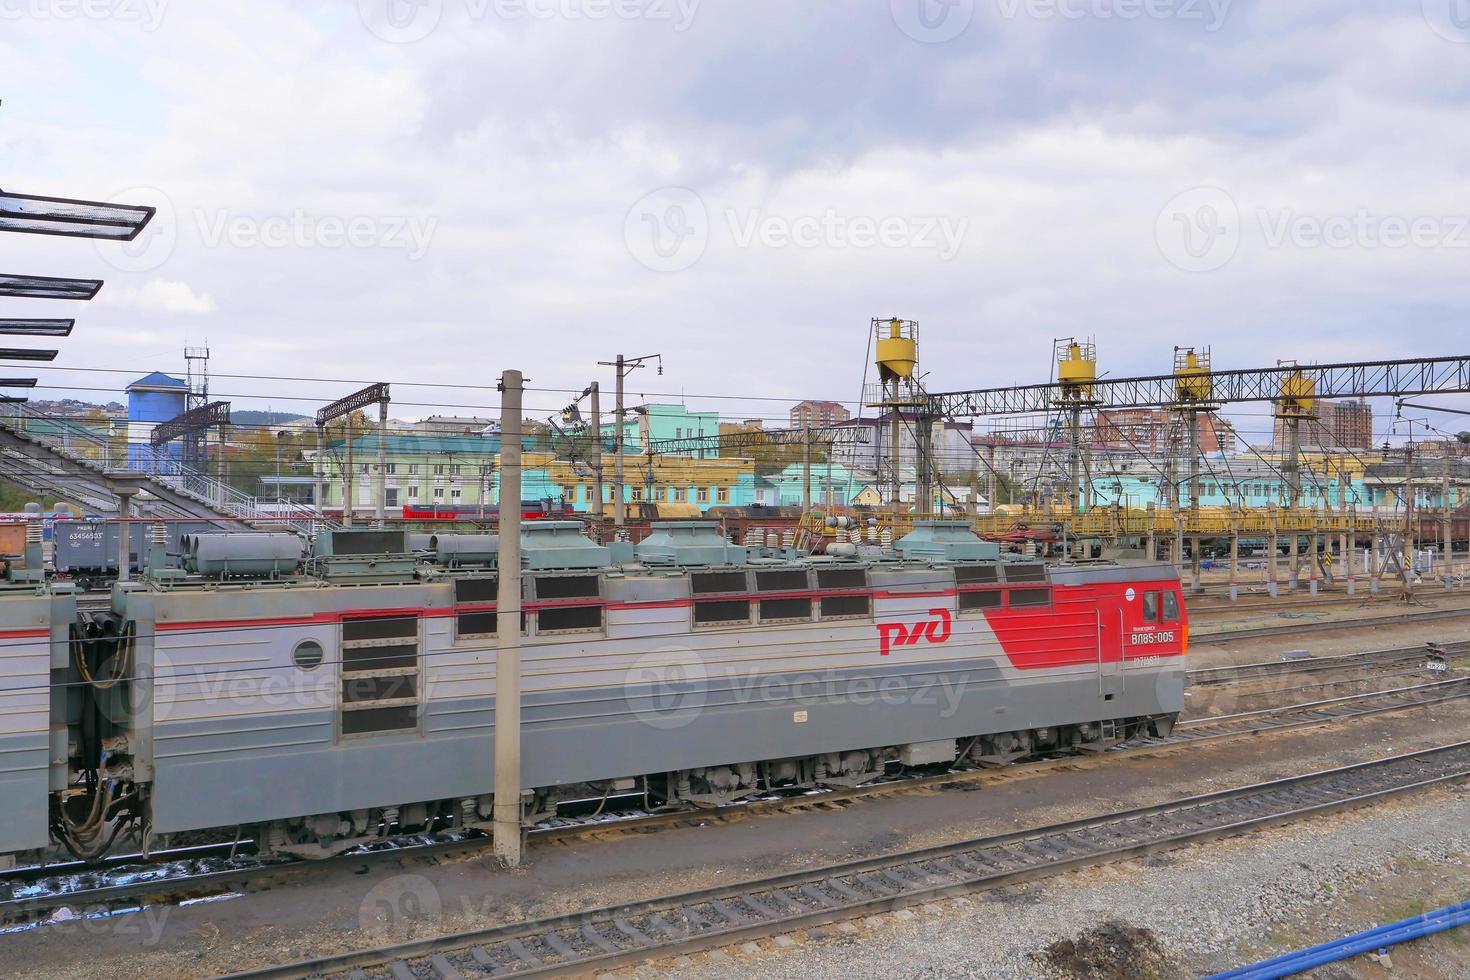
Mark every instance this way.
x=934 y=630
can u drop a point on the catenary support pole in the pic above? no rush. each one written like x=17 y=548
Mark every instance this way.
x=507 y=836
x=596 y=507
x=380 y=487
x=319 y=471
x=620 y=514
x=806 y=467
x=347 y=500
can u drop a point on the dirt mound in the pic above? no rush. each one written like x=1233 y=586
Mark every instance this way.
x=1111 y=951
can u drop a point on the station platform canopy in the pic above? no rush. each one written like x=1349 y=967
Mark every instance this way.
x=36 y=328
x=48 y=287
x=73 y=218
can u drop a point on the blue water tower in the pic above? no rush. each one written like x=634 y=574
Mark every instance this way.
x=152 y=399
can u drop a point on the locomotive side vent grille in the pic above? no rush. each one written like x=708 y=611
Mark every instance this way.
x=721 y=612
x=846 y=607
x=1035 y=572
x=568 y=619
x=976 y=574
x=379 y=691
x=787 y=580
x=478 y=625
x=568 y=587
x=708 y=583
x=842 y=578
x=976 y=601
x=476 y=589
x=785 y=610
x=1030 y=597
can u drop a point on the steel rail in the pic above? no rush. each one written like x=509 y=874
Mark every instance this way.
x=1257 y=632
x=1237 y=673
x=615 y=936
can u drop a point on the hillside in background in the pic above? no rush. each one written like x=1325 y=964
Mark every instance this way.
x=254 y=417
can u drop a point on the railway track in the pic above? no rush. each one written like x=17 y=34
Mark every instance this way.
x=27 y=894
x=1198 y=636
x=612 y=937
x=1364 y=661
x=1389 y=594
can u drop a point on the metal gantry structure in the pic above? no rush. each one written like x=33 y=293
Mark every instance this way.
x=1352 y=379
x=373 y=394
x=1194 y=389
x=189 y=426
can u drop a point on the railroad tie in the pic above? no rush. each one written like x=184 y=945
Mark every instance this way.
x=560 y=946
x=954 y=865
x=825 y=899
x=443 y=969
x=700 y=922
x=482 y=956
x=874 y=884
x=928 y=873
x=759 y=907
x=663 y=927
x=401 y=971
x=784 y=903
x=844 y=889
x=628 y=929
x=731 y=916
x=519 y=951
x=894 y=878
x=598 y=939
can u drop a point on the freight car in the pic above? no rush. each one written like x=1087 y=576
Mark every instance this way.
x=87 y=551
x=325 y=701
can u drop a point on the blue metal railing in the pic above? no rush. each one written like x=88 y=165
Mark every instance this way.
x=1373 y=940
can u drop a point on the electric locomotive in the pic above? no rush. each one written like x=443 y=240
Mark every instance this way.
x=319 y=700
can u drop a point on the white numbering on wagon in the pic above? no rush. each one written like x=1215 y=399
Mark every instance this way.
x=1144 y=639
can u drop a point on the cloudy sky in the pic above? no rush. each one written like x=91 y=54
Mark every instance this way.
x=436 y=190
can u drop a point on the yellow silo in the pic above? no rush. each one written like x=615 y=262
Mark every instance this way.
x=1076 y=369
x=1192 y=382
x=1298 y=394
x=898 y=349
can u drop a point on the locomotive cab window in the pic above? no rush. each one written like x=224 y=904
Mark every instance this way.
x=1171 y=607
x=1150 y=607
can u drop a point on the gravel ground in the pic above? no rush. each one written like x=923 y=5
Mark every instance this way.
x=1208 y=908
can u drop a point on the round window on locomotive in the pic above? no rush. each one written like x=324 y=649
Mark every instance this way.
x=308 y=655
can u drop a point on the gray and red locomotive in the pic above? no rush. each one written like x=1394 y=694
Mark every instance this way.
x=320 y=701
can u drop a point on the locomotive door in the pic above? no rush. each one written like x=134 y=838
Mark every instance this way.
x=1109 y=667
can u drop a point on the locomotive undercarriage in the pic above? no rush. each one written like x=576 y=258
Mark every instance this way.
x=324 y=835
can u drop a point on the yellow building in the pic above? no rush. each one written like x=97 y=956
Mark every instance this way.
x=703 y=483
